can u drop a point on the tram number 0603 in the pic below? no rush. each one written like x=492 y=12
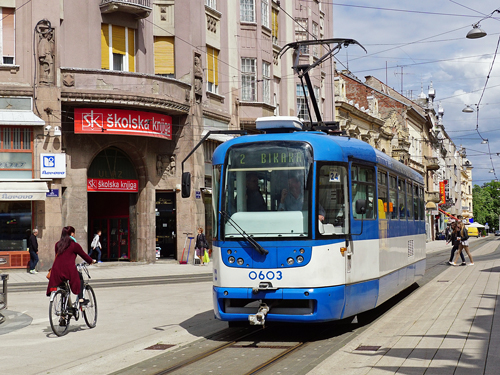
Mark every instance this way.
x=269 y=275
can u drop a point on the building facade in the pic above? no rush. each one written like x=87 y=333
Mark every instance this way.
x=101 y=102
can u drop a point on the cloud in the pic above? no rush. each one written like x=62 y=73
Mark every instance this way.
x=412 y=49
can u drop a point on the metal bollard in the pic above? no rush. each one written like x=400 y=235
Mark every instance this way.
x=3 y=295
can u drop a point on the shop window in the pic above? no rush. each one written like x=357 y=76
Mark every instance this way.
x=117 y=48
x=164 y=56
x=8 y=35
x=15 y=225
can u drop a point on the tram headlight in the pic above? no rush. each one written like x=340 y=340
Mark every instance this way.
x=229 y=252
x=300 y=259
x=290 y=261
x=302 y=251
x=231 y=259
x=240 y=261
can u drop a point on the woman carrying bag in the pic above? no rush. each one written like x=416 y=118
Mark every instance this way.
x=201 y=246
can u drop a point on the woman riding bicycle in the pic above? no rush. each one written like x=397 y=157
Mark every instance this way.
x=64 y=267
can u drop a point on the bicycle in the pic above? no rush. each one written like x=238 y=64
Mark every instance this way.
x=61 y=309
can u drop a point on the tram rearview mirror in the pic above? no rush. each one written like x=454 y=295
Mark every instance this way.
x=361 y=206
x=186 y=185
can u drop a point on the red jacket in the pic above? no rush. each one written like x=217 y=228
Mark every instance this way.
x=64 y=268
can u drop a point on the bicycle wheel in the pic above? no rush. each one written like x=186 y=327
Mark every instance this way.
x=90 y=311
x=58 y=314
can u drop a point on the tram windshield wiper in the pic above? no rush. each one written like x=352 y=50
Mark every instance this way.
x=243 y=234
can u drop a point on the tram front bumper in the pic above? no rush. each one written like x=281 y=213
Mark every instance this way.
x=286 y=305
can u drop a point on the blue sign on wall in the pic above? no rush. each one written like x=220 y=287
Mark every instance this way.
x=52 y=193
x=198 y=195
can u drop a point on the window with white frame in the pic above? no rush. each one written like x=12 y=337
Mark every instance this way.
x=211 y=3
x=248 y=79
x=265 y=12
x=247 y=10
x=315 y=29
x=301 y=32
x=276 y=87
x=7 y=35
x=302 y=112
x=274 y=26
x=213 y=70
x=266 y=82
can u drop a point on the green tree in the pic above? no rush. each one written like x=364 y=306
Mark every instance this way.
x=486 y=203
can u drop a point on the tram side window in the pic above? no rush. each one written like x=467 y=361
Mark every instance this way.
x=393 y=198
x=409 y=200
x=363 y=187
x=383 y=195
x=401 y=198
x=422 y=203
x=416 y=207
x=331 y=198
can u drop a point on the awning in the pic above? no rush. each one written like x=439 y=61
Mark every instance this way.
x=23 y=190
x=430 y=206
x=20 y=117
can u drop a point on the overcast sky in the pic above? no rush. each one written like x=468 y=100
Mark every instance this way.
x=425 y=40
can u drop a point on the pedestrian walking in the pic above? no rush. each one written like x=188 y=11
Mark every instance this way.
x=96 y=245
x=454 y=233
x=33 y=247
x=201 y=245
x=463 y=236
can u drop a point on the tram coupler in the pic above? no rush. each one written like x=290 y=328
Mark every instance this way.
x=260 y=318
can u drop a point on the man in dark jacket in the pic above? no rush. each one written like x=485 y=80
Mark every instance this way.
x=33 y=246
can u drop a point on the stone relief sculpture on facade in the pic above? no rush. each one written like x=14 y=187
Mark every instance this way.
x=46 y=52
x=198 y=78
x=169 y=166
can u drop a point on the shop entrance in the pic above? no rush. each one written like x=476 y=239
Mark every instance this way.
x=112 y=188
x=109 y=213
x=166 y=225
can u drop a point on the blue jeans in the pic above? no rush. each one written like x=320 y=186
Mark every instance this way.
x=98 y=249
x=33 y=260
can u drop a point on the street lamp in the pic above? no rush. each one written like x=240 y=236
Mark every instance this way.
x=468 y=109
x=476 y=32
x=484 y=141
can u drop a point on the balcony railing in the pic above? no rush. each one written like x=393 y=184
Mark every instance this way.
x=139 y=8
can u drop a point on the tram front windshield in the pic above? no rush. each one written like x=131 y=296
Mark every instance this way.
x=267 y=190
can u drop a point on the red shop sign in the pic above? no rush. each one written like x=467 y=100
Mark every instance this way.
x=112 y=185
x=122 y=121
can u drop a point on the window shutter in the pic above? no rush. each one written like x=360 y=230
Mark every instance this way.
x=164 y=55
x=104 y=46
x=8 y=31
x=210 y=61
x=118 y=39
x=216 y=67
x=131 y=50
x=275 y=24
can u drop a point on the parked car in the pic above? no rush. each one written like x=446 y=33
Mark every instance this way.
x=473 y=232
x=497 y=233
x=158 y=251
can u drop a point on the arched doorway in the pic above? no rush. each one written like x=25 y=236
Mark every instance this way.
x=112 y=187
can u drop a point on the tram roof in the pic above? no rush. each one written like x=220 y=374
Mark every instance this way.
x=325 y=148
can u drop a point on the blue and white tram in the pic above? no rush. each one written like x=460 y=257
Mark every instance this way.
x=295 y=248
